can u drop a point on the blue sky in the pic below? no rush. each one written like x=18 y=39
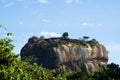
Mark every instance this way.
x=99 y=19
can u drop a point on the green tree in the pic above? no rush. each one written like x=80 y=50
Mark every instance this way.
x=113 y=71
x=6 y=54
x=12 y=68
x=65 y=35
x=85 y=37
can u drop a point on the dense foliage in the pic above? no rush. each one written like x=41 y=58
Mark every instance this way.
x=12 y=68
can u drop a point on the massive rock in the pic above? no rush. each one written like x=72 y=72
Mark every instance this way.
x=65 y=53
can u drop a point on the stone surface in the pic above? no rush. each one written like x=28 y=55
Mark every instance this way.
x=62 y=54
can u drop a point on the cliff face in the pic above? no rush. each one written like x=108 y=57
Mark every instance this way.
x=65 y=54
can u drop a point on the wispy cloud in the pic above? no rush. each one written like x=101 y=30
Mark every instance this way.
x=43 y=1
x=68 y=1
x=71 y=1
x=21 y=22
x=86 y=24
x=19 y=0
x=2 y=0
x=8 y=4
x=99 y=24
x=50 y=34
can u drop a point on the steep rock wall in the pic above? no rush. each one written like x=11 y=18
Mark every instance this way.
x=66 y=56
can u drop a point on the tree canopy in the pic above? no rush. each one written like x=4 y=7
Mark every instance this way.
x=65 y=34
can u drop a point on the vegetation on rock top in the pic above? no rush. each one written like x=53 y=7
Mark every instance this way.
x=62 y=40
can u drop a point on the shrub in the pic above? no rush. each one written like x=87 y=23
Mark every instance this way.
x=83 y=43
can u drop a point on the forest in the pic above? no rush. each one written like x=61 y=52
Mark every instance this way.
x=13 y=68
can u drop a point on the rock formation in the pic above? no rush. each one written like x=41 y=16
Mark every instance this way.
x=65 y=53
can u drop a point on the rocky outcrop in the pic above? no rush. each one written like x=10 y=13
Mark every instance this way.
x=62 y=54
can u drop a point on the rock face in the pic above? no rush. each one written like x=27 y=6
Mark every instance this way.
x=62 y=54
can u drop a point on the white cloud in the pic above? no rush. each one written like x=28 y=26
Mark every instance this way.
x=71 y=1
x=8 y=5
x=21 y=22
x=99 y=24
x=68 y=1
x=50 y=34
x=85 y=24
x=43 y=1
